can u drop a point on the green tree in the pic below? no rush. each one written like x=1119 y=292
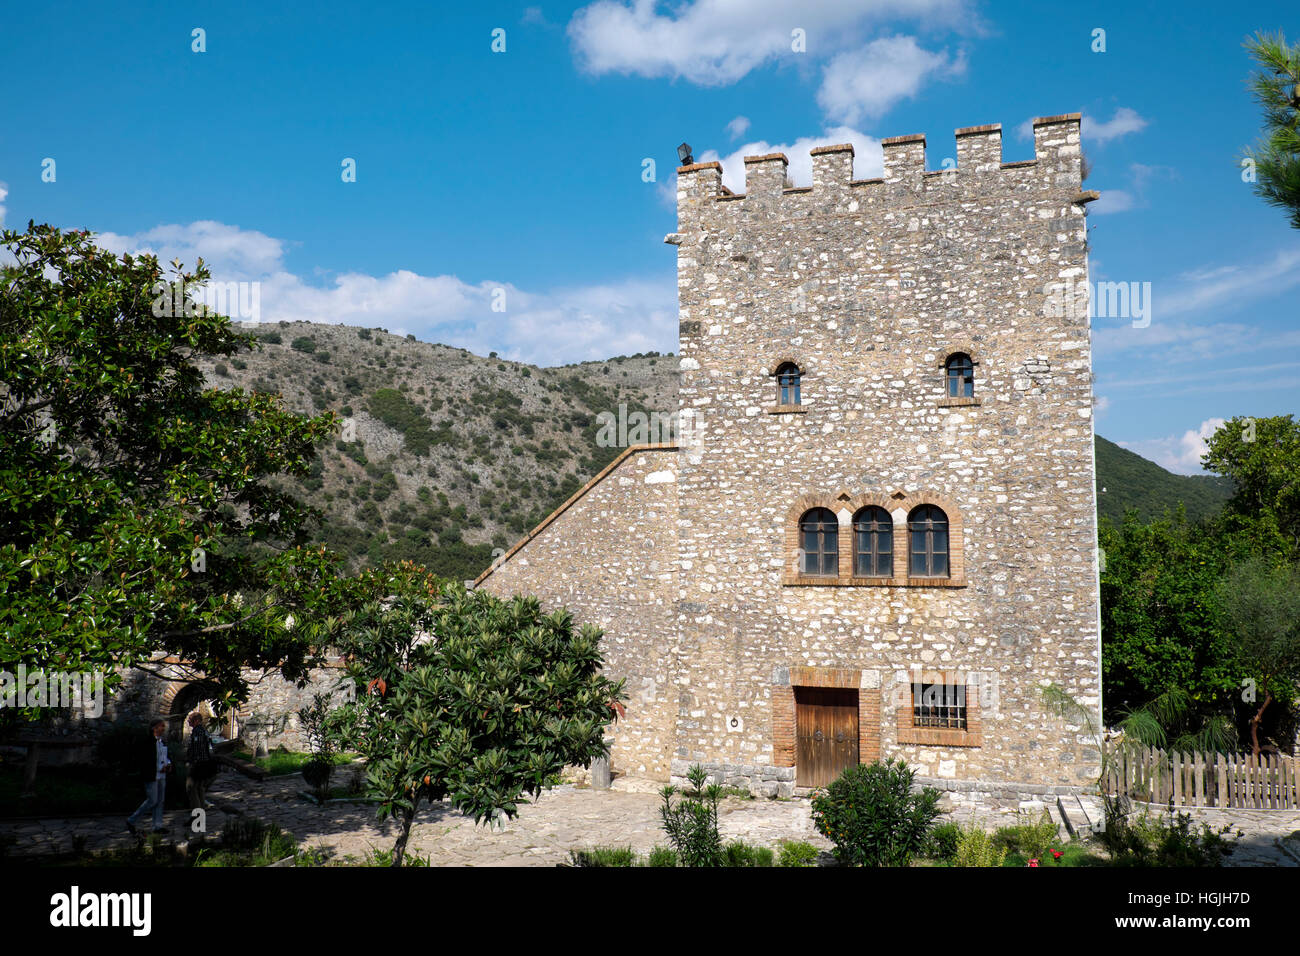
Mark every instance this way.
x=1262 y=457
x=1169 y=670
x=1260 y=604
x=138 y=509
x=463 y=695
x=1276 y=87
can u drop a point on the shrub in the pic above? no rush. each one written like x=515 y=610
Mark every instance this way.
x=1149 y=841
x=363 y=333
x=796 y=853
x=221 y=369
x=661 y=856
x=270 y=338
x=873 y=816
x=977 y=847
x=603 y=856
x=692 y=824
x=316 y=773
x=742 y=854
x=941 y=842
x=1034 y=840
x=303 y=343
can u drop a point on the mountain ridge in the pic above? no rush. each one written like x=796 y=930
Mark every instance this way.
x=454 y=457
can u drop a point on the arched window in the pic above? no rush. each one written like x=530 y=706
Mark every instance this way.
x=787 y=384
x=961 y=375
x=927 y=527
x=873 y=543
x=819 y=538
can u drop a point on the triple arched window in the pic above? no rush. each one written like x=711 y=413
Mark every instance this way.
x=872 y=544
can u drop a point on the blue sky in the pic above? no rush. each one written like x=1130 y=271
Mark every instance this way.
x=522 y=170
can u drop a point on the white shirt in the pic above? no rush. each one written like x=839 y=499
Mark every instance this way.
x=163 y=762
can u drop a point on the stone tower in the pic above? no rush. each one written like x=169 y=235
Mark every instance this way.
x=879 y=539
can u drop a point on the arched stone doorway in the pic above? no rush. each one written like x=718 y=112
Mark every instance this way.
x=181 y=700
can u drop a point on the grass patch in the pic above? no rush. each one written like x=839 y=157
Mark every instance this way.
x=735 y=854
x=281 y=762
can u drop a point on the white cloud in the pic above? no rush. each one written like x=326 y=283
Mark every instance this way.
x=1112 y=200
x=863 y=84
x=547 y=327
x=1126 y=120
x=1180 y=454
x=1217 y=291
x=1232 y=285
x=1100 y=405
x=716 y=42
x=229 y=252
x=4 y=191
x=738 y=127
x=868 y=158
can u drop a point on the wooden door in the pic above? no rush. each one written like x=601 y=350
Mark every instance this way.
x=826 y=733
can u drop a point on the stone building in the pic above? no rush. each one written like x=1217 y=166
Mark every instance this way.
x=877 y=537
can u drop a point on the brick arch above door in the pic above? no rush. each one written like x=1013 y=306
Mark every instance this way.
x=783 y=709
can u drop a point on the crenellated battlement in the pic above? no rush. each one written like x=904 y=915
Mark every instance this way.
x=1057 y=164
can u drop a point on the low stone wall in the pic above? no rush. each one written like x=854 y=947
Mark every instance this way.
x=762 y=781
x=142 y=697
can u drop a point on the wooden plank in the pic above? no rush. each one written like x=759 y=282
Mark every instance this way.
x=1221 y=778
x=1176 y=776
x=1198 y=781
x=1166 y=785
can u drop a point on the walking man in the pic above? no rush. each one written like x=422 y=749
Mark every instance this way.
x=201 y=767
x=154 y=770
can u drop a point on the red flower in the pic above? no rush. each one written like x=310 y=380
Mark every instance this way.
x=1057 y=854
x=1033 y=862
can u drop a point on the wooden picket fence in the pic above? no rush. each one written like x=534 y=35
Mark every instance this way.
x=1148 y=774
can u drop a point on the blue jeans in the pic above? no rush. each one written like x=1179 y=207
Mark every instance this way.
x=154 y=796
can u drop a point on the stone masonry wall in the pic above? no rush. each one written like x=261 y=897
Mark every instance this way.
x=609 y=556
x=868 y=286
x=142 y=697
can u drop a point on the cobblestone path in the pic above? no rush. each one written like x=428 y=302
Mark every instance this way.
x=567 y=817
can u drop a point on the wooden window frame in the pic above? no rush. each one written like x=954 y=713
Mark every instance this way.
x=948 y=400
x=959 y=362
x=846 y=507
x=789 y=377
x=873 y=534
x=823 y=552
x=930 y=552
